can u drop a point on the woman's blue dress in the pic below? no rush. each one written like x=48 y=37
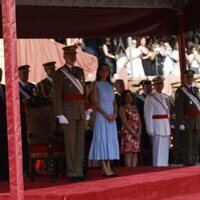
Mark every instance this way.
x=105 y=144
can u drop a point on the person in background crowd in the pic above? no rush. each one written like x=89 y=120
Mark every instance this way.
x=4 y=169
x=131 y=129
x=68 y=101
x=78 y=42
x=159 y=58
x=44 y=87
x=156 y=114
x=27 y=93
x=168 y=61
x=105 y=146
x=120 y=50
x=145 y=56
x=120 y=87
x=187 y=106
x=93 y=46
x=110 y=56
x=134 y=66
x=145 y=142
x=176 y=63
x=194 y=60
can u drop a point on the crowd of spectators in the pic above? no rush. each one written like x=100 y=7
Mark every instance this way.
x=143 y=56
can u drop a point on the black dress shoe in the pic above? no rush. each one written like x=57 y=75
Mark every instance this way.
x=84 y=178
x=114 y=175
x=74 y=179
x=109 y=175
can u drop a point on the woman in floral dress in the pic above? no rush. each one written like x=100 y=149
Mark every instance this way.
x=131 y=129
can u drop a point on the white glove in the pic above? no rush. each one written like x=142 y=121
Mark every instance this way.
x=62 y=119
x=87 y=114
x=182 y=127
x=172 y=126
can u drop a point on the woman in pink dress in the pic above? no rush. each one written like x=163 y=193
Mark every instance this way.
x=131 y=129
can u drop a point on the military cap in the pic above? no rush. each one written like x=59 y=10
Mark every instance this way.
x=158 y=79
x=49 y=64
x=189 y=72
x=175 y=84
x=70 y=49
x=145 y=82
x=197 y=79
x=23 y=68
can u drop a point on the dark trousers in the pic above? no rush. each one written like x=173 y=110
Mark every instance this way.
x=25 y=146
x=190 y=139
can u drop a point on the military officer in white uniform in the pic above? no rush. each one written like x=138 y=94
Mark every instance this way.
x=156 y=114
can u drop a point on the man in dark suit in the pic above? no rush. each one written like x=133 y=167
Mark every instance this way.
x=175 y=153
x=68 y=100
x=44 y=87
x=4 y=169
x=119 y=87
x=27 y=92
x=187 y=105
x=145 y=140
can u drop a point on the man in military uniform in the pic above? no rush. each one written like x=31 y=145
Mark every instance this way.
x=156 y=114
x=27 y=91
x=68 y=100
x=45 y=92
x=44 y=87
x=187 y=105
x=197 y=84
x=174 y=87
x=175 y=137
x=145 y=142
x=3 y=133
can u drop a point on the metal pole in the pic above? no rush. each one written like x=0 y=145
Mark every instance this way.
x=129 y=40
x=181 y=44
x=12 y=100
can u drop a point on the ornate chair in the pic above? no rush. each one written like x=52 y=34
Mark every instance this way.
x=44 y=139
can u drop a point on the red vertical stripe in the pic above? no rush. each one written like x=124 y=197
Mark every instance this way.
x=12 y=99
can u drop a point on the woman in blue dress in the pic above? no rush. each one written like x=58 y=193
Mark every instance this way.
x=105 y=146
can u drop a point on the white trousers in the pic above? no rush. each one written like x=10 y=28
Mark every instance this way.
x=160 y=146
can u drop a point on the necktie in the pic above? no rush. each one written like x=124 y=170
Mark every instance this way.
x=26 y=86
x=192 y=91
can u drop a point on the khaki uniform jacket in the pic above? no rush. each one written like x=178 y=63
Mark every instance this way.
x=62 y=85
x=183 y=104
x=44 y=88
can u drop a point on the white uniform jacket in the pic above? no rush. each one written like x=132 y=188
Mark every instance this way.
x=156 y=114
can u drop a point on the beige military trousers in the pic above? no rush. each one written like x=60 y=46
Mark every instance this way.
x=74 y=140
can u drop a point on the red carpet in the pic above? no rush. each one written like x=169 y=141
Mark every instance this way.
x=142 y=183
